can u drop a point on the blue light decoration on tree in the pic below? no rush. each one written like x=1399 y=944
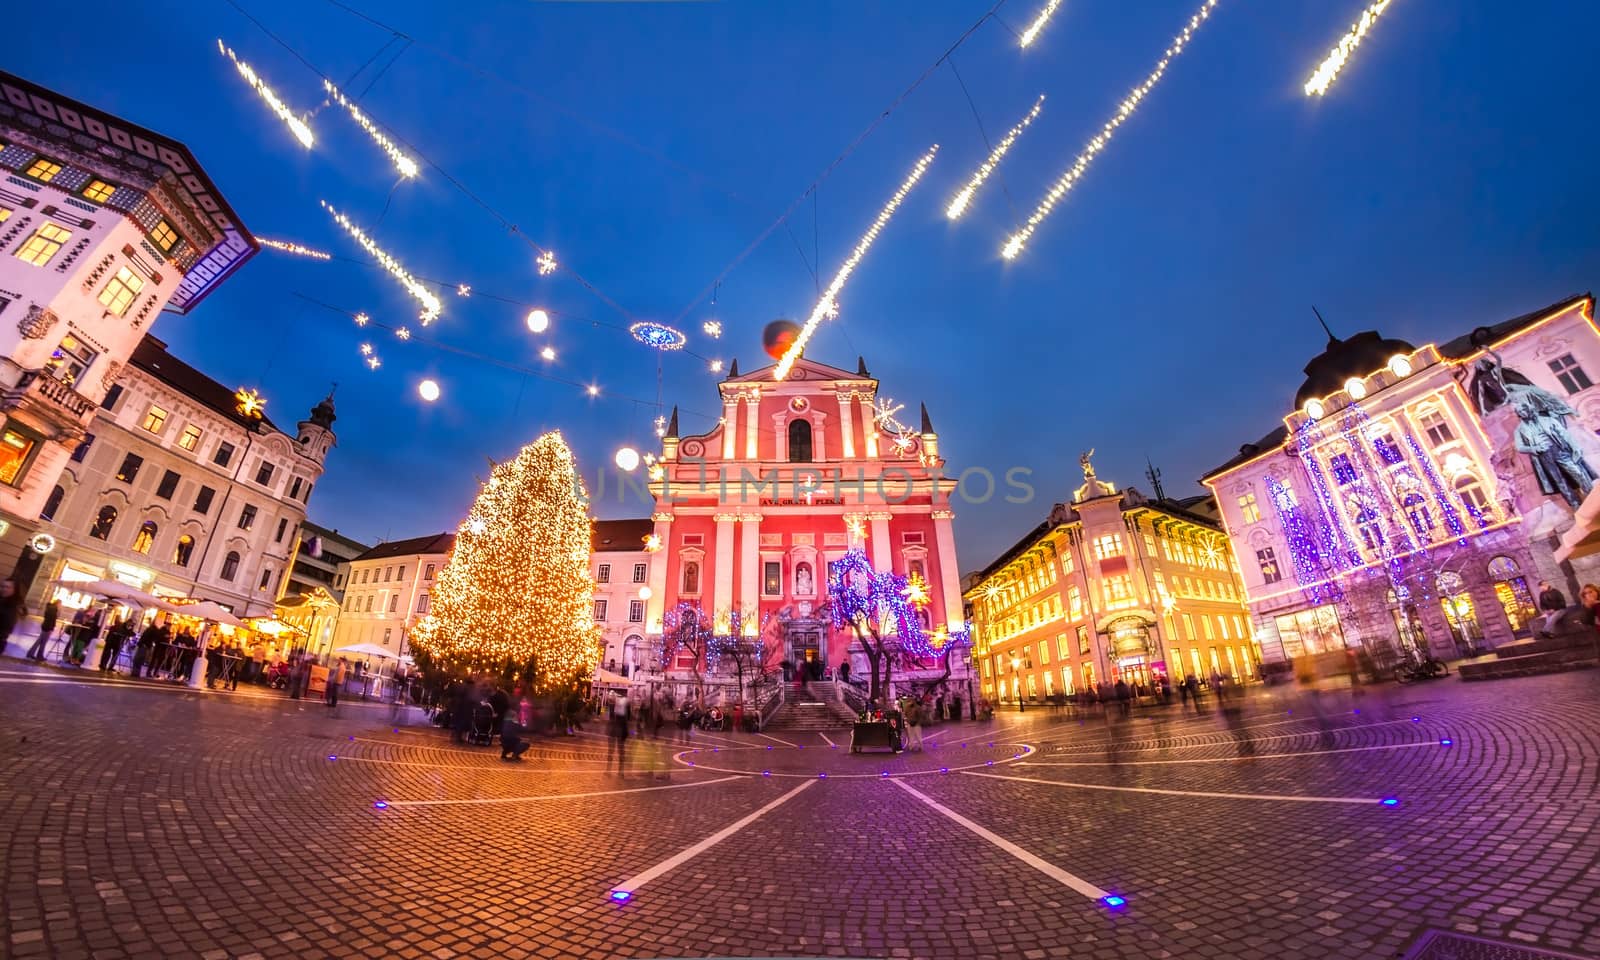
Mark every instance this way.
x=873 y=605
x=684 y=631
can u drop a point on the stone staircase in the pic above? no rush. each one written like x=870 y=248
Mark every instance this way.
x=805 y=712
x=1540 y=655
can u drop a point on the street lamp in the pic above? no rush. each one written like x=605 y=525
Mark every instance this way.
x=1016 y=682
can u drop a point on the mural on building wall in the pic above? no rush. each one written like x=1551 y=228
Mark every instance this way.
x=1539 y=429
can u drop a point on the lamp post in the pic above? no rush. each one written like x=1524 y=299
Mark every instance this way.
x=1016 y=682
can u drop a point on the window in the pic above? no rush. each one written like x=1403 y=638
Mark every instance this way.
x=5 y=212
x=1471 y=495
x=599 y=611
x=69 y=360
x=400 y=572
x=603 y=574
x=1044 y=651
x=772 y=578
x=1074 y=602
x=103 y=522
x=247 y=516
x=1268 y=561
x=691 y=578
x=638 y=573
x=1310 y=631
x=283 y=525
x=1438 y=430
x=43 y=169
x=428 y=574
x=98 y=191
x=1248 y=508
x=266 y=577
x=154 y=419
x=224 y=454
x=394 y=603
x=635 y=611
x=1510 y=588
x=369 y=604
x=1344 y=472
x=264 y=474
x=112 y=396
x=180 y=553
x=120 y=291
x=1387 y=449
x=230 y=566
x=294 y=488
x=52 y=503
x=41 y=248
x=163 y=236
x=145 y=538
x=422 y=603
x=168 y=485
x=388 y=574
x=799 y=441
x=1570 y=374
x=1417 y=510
x=189 y=438
x=17 y=449
x=1108 y=545
x=202 y=500
x=364 y=575
x=130 y=467
x=388 y=632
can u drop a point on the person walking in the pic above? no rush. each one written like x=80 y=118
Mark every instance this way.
x=47 y=626
x=913 y=712
x=335 y=681
x=1124 y=697
x=617 y=733
x=115 y=638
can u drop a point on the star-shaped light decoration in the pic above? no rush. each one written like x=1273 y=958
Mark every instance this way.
x=857 y=525
x=712 y=328
x=938 y=638
x=657 y=472
x=463 y=289
x=916 y=591
x=362 y=319
x=366 y=349
x=547 y=263
x=716 y=366
x=648 y=458
x=374 y=362
x=652 y=543
x=903 y=442
x=403 y=333
x=1212 y=553
x=249 y=402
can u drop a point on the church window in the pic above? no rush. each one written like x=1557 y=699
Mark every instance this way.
x=799 y=441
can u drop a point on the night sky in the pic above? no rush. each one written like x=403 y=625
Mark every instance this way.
x=1447 y=181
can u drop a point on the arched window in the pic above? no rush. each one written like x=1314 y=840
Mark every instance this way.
x=230 y=566
x=52 y=503
x=799 y=441
x=103 y=522
x=145 y=538
x=691 y=578
x=180 y=555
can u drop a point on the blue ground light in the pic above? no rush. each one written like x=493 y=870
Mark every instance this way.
x=944 y=769
x=1390 y=801
x=1445 y=742
x=1416 y=719
x=621 y=896
x=381 y=804
x=332 y=756
x=1113 y=901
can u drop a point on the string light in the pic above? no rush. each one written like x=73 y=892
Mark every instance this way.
x=549 y=353
x=428 y=390
x=594 y=390
x=857 y=526
x=297 y=126
x=1097 y=143
x=431 y=307
x=716 y=366
x=958 y=205
x=829 y=300
x=285 y=246
x=538 y=321
x=657 y=472
x=403 y=333
x=1038 y=23
x=712 y=328
x=658 y=335
x=627 y=459
x=516 y=594
x=366 y=349
x=1322 y=78
x=362 y=319
x=407 y=166
x=547 y=263
x=883 y=414
x=374 y=362
x=463 y=289
x=652 y=543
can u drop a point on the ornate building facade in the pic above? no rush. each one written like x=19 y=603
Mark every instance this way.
x=1112 y=585
x=749 y=515
x=177 y=489
x=1413 y=498
x=620 y=565
x=103 y=225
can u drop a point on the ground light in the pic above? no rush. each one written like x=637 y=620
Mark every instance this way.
x=1113 y=901
x=1446 y=742
x=333 y=756
x=1390 y=801
x=381 y=804
x=621 y=896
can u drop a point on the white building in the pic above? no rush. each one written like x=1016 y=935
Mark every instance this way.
x=103 y=225
x=175 y=489
x=389 y=589
x=1413 y=496
x=620 y=566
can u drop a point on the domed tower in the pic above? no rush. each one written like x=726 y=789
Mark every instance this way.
x=316 y=433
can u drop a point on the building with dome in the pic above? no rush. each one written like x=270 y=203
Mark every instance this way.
x=180 y=487
x=1413 y=498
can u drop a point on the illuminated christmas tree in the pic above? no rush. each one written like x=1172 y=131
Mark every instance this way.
x=516 y=598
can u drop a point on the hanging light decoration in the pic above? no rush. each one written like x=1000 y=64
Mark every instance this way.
x=298 y=127
x=538 y=321
x=428 y=390
x=1032 y=33
x=431 y=307
x=285 y=246
x=958 y=204
x=407 y=166
x=1322 y=78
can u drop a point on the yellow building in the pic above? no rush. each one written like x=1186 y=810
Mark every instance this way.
x=1112 y=585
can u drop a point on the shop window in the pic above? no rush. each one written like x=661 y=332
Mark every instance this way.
x=1511 y=589
x=1311 y=631
x=1570 y=374
x=145 y=538
x=180 y=553
x=18 y=447
x=799 y=441
x=103 y=522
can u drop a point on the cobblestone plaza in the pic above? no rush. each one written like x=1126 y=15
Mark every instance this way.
x=149 y=821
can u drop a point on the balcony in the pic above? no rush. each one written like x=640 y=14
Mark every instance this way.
x=58 y=393
x=51 y=405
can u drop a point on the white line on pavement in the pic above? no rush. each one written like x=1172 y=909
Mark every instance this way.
x=555 y=796
x=1177 y=793
x=631 y=885
x=1048 y=869
x=825 y=739
x=776 y=740
x=1261 y=756
x=500 y=768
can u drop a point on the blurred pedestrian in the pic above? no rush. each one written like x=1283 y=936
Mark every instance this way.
x=47 y=626
x=914 y=715
x=335 y=681
x=617 y=732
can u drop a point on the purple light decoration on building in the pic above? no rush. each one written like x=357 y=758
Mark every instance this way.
x=1304 y=552
x=1336 y=542
x=1447 y=503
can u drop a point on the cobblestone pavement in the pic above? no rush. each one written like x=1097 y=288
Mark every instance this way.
x=142 y=820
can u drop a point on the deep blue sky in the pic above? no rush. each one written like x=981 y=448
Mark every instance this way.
x=1447 y=181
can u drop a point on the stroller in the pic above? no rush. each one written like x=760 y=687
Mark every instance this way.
x=481 y=733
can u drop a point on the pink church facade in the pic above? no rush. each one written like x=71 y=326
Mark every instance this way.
x=750 y=514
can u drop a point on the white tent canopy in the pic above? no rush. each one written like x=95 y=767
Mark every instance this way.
x=366 y=650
